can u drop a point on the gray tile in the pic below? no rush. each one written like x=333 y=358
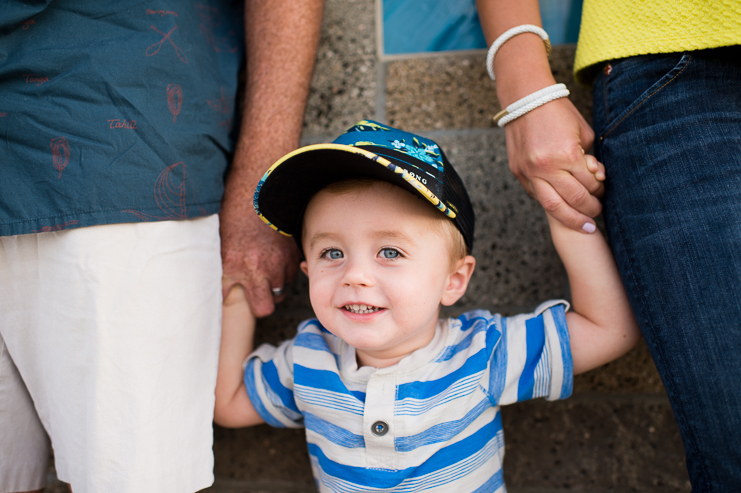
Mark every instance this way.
x=443 y=92
x=454 y=91
x=279 y=327
x=634 y=372
x=343 y=89
x=591 y=444
x=262 y=453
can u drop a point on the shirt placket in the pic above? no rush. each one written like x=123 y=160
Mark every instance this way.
x=379 y=428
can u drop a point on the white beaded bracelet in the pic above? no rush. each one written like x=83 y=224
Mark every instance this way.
x=507 y=35
x=530 y=102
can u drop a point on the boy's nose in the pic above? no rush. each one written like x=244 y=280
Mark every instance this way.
x=357 y=274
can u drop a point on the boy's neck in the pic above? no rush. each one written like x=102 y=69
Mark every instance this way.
x=390 y=357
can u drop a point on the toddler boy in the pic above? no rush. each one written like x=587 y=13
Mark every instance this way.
x=392 y=398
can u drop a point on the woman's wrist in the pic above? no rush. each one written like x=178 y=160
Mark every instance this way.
x=522 y=68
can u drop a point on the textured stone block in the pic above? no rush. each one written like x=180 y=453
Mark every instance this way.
x=624 y=444
x=454 y=91
x=343 y=89
x=451 y=91
x=265 y=454
x=634 y=372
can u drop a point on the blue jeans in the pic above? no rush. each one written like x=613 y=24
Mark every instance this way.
x=668 y=130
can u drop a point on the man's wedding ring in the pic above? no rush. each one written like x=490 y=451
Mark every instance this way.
x=278 y=291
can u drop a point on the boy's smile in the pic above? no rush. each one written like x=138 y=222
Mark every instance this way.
x=378 y=269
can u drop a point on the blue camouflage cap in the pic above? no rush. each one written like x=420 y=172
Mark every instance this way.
x=367 y=150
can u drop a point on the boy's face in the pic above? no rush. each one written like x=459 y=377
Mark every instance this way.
x=378 y=270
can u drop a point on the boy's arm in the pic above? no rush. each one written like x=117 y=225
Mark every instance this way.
x=233 y=407
x=601 y=323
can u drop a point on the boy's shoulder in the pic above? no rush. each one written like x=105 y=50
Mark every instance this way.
x=495 y=324
x=311 y=334
x=481 y=319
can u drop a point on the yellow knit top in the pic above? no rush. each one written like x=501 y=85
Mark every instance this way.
x=621 y=28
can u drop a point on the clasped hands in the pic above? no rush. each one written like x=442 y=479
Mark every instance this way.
x=546 y=151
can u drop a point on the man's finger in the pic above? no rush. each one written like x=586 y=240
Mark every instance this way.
x=260 y=297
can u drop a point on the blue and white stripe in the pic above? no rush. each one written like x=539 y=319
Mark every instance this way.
x=441 y=403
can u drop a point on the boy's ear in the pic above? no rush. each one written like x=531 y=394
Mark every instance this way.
x=304 y=268
x=458 y=280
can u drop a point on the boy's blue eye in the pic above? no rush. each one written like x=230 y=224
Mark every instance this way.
x=390 y=253
x=333 y=254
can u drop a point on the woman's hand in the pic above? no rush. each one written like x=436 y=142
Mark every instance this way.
x=546 y=148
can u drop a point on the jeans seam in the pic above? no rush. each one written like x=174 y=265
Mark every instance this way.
x=680 y=414
x=604 y=96
x=689 y=58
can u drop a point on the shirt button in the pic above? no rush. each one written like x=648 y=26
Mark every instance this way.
x=379 y=428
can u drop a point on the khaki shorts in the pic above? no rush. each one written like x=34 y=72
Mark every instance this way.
x=109 y=340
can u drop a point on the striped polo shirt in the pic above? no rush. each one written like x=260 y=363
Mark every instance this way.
x=429 y=423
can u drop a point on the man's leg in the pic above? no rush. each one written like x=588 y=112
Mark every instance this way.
x=116 y=333
x=24 y=445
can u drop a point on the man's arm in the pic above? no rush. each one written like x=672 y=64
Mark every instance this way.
x=601 y=323
x=545 y=145
x=281 y=39
x=233 y=407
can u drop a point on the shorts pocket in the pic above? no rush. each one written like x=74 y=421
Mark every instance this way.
x=627 y=85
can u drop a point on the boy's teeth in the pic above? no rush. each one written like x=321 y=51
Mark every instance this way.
x=355 y=308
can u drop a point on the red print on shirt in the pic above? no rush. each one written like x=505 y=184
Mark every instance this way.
x=223 y=105
x=118 y=123
x=60 y=154
x=173 y=195
x=155 y=48
x=210 y=21
x=35 y=79
x=28 y=23
x=174 y=100
x=56 y=227
x=161 y=13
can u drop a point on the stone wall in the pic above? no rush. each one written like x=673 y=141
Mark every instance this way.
x=617 y=432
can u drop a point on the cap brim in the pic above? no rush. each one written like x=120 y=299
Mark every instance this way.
x=287 y=187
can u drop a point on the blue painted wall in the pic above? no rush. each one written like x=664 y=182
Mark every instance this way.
x=416 y=26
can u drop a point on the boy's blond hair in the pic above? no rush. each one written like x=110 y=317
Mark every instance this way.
x=446 y=228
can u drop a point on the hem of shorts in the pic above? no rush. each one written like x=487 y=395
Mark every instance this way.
x=80 y=219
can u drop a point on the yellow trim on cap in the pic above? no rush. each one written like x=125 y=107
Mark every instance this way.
x=408 y=177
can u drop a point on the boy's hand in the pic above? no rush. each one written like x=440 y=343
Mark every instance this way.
x=595 y=167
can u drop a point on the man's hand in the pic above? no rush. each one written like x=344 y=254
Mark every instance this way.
x=281 y=38
x=254 y=256
x=545 y=148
